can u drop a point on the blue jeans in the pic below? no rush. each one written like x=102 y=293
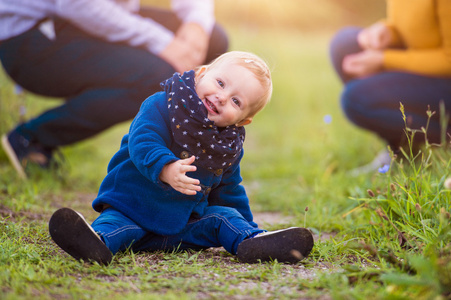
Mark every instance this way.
x=219 y=226
x=102 y=83
x=373 y=102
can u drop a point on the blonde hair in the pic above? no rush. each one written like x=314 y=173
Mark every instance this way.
x=254 y=64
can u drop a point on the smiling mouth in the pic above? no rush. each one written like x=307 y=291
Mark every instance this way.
x=211 y=106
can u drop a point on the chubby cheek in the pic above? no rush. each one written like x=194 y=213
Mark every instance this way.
x=229 y=117
x=205 y=90
x=200 y=94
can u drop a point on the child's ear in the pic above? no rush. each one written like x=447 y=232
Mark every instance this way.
x=244 y=122
x=199 y=73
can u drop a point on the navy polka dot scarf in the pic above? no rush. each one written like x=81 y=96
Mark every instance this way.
x=214 y=147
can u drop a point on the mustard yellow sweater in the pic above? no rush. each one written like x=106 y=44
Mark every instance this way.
x=423 y=29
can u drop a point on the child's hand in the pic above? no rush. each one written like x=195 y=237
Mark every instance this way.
x=174 y=175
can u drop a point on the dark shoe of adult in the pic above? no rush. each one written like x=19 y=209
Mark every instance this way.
x=70 y=231
x=289 y=245
x=21 y=151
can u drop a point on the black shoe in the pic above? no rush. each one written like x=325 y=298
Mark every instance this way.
x=21 y=151
x=73 y=234
x=289 y=245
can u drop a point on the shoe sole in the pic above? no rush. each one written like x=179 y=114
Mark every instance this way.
x=70 y=231
x=13 y=157
x=287 y=246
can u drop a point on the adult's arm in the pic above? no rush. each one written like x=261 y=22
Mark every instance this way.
x=196 y=11
x=430 y=61
x=110 y=21
x=189 y=47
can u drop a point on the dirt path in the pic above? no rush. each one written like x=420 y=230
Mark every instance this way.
x=82 y=203
x=293 y=274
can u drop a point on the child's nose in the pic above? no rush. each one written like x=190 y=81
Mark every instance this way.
x=221 y=98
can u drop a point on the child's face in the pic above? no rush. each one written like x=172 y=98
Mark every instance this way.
x=229 y=92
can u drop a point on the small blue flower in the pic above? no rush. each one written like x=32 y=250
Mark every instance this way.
x=384 y=169
x=327 y=119
x=18 y=90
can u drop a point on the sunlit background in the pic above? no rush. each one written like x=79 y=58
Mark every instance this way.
x=298 y=153
x=310 y=15
x=297 y=144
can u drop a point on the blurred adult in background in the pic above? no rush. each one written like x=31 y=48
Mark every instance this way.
x=404 y=58
x=102 y=56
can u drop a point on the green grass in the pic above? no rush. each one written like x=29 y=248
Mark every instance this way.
x=293 y=160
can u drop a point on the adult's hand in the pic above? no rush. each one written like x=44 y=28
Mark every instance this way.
x=188 y=49
x=377 y=36
x=363 y=64
x=197 y=38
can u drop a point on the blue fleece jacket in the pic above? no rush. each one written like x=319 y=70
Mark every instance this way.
x=132 y=185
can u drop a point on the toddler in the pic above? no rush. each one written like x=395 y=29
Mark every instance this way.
x=175 y=181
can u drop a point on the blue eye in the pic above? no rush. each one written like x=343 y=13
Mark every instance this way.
x=221 y=84
x=236 y=101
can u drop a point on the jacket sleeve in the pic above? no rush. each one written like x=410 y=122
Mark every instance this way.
x=231 y=193
x=113 y=22
x=196 y=11
x=427 y=61
x=108 y=20
x=150 y=138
